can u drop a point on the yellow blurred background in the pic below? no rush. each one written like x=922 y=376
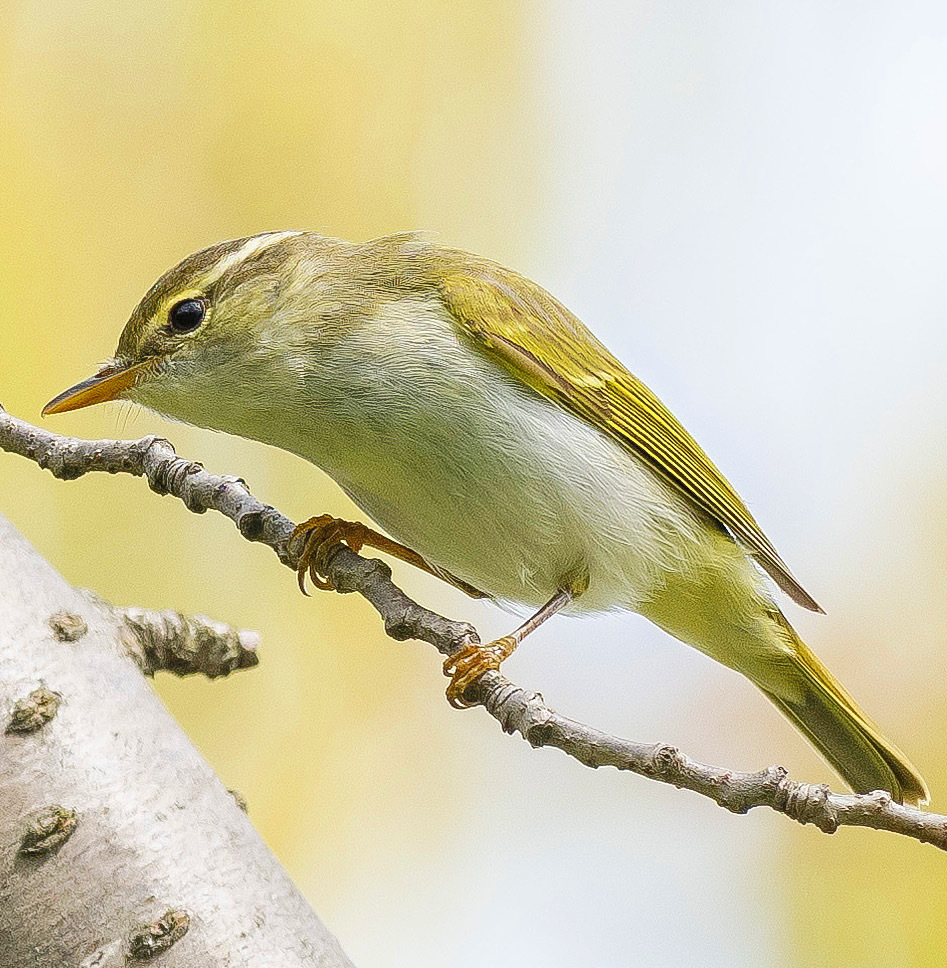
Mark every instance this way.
x=748 y=203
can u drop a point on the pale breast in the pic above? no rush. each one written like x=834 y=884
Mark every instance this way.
x=448 y=453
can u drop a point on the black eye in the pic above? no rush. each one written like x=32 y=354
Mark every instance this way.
x=186 y=315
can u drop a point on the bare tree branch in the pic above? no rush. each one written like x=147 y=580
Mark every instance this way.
x=517 y=710
x=186 y=644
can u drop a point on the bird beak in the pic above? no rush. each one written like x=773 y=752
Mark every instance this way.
x=108 y=384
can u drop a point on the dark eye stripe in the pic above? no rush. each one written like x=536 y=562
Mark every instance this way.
x=186 y=315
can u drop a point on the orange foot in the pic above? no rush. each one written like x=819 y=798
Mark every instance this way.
x=471 y=663
x=323 y=533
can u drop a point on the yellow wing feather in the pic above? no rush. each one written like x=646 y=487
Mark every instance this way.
x=548 y=348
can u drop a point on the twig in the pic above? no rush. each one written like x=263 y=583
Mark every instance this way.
x=517 y=710
x=186 y=644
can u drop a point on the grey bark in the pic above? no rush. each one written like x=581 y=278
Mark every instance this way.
x=118 y=843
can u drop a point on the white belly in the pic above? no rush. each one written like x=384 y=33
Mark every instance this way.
x=452 y=456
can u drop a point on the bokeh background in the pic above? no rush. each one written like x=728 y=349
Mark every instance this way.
x=748 y=202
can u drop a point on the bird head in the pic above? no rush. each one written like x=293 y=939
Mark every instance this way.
x=200 y=327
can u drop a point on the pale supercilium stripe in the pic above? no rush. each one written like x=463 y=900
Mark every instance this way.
x=253 y=245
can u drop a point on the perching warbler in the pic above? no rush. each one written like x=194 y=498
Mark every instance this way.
x=477 y=421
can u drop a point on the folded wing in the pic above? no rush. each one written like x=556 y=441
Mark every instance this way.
x=548 y=348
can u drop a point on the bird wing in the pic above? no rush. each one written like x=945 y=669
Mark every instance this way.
x=548 y=348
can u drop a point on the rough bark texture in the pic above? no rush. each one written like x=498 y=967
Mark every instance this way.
x=118 y=844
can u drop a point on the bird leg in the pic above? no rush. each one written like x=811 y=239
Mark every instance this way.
x=472 y=661
x=323 y=533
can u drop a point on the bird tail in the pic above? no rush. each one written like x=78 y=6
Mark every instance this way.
x=816 y=703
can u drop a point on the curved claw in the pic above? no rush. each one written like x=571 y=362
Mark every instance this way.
x=321 y=534
x=470 y=663
x=313 y=534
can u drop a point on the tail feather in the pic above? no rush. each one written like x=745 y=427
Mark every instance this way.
x=821 y=709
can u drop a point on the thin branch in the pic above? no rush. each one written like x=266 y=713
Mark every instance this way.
x=186 y=644
x=169 y=641
x=517 y=710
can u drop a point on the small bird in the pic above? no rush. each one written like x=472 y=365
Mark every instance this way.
x=495 y=439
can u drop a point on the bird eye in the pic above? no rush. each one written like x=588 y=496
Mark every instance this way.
x=186 y=315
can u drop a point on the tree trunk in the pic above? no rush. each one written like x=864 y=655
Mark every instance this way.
x=117 y=841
